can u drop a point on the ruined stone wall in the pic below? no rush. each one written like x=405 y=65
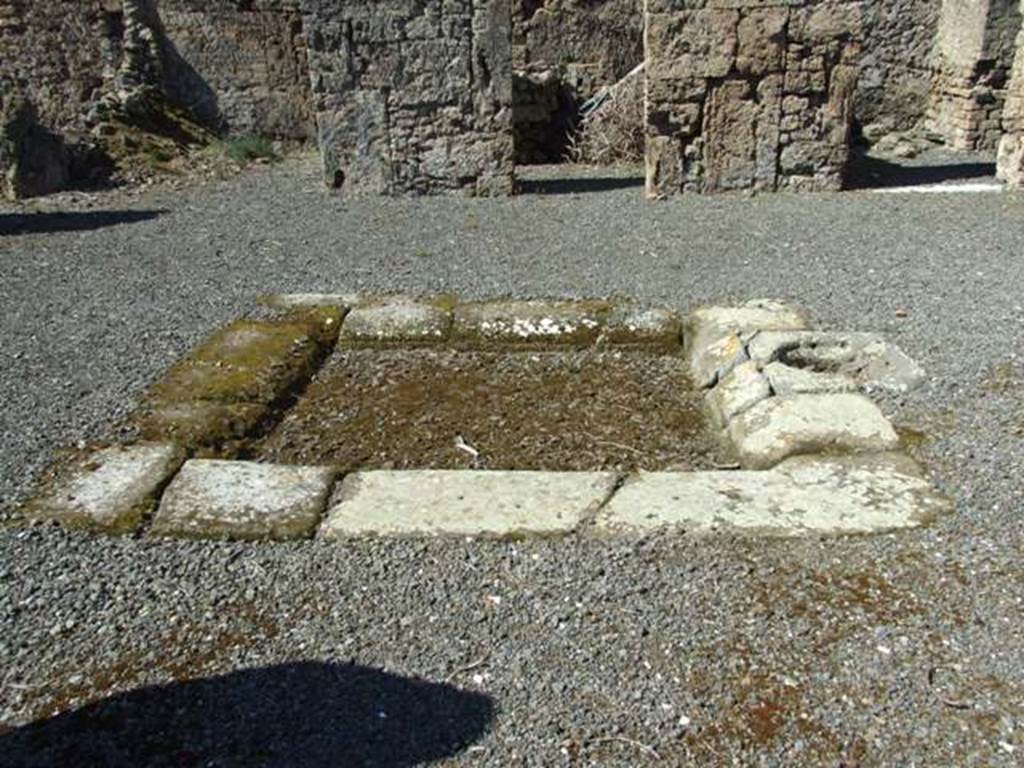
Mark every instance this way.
x=896 y=65
x=1011 y=148
x=238 y=65
x=412 y=96
x=973 y=55
x=749 y=94
x=589 y=43
x=59 y=54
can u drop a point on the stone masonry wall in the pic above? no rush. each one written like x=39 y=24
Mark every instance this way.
x=1011 y=148
x=749 y=94
x=973 y=54
x=412 y=96
x=896 y=69
x=239 y=65
x=59 y=54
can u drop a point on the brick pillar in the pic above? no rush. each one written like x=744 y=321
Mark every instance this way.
x=1011 y=148
x=972 y=58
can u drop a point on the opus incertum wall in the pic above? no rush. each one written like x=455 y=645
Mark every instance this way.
x=412 y=96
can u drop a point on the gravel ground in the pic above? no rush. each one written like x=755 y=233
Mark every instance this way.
x=583 y=410
x=901 y=650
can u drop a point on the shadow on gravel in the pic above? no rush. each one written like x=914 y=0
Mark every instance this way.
x=578 y=185
x=865 y=172
x=44 y=222
x=304 y=715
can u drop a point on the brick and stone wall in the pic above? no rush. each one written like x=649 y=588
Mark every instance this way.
x=412 y=96
x=1011 y=148
x=238 y=65
x=749 y=95
x=973 y=55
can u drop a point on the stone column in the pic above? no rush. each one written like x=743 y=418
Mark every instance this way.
x=972 y=58
x=1011 y=148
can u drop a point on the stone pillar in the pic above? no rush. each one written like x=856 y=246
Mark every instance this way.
x=412 y=97
x=972 y=57
x=749 y=95
x=1011 y=148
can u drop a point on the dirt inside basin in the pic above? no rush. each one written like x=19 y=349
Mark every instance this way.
x=445 y=409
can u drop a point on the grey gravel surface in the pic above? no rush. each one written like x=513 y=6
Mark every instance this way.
x=900 y=650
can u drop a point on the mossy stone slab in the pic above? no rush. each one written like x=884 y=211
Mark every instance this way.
x=110 y=490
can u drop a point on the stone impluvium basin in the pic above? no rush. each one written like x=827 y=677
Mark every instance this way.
x=807 y=450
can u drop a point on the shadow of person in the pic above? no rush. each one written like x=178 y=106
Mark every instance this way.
x=300 y=715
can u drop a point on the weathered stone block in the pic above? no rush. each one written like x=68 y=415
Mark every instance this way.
x=465 y=503
x=392 y=321
x=780 y=427
x=802 y=496
x=212 y=499
x=633 y=326
x=530 y=322
x=109 y=490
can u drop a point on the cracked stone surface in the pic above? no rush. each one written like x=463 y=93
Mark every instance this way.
x=803 y=495
x=465 y=503
x=780 y=427
x=715 y=336
x=396 y=320
x=214 y=499
x=741 y=389
x=108 y=490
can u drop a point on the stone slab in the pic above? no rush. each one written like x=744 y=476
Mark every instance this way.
x=311 y=300
x=805 y=495
x=465 y=503
x=109 y=490
x=743 y=388
x=715 y=337
x=214 y=499
x=534 y=321
x=395 y=321
x=780 y=427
